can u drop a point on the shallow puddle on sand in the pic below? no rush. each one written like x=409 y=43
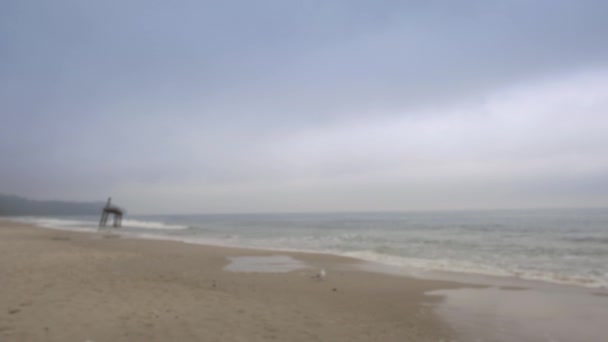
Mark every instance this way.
x=526 y=315
x=270 y=264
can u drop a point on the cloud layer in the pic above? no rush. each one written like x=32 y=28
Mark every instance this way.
x=282 y=106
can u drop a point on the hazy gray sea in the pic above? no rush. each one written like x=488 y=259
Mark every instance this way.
x=567 y=246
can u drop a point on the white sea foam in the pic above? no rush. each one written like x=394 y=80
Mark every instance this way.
x=87 y=225
x=130 y=223
x=455 y=266
x=55 y=223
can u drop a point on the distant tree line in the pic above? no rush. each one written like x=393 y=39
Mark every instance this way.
x=16 y=205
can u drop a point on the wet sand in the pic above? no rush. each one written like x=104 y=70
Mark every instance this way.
x=504 y=314
x=68 y=286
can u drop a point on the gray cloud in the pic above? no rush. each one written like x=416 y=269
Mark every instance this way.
x=222 y=106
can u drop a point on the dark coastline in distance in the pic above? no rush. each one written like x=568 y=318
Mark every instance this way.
x=16 y=206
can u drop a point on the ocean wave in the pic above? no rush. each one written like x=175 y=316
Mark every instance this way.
x=130 y=223
x=79 y=224
x=444 y=265
x=589 y=239
x=56 y=223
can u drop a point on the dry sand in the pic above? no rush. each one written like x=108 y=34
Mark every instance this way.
x=66 y=286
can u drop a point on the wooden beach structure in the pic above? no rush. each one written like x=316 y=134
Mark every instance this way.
x=111 y=209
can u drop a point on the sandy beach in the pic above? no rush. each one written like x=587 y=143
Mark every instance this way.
x=68 y=286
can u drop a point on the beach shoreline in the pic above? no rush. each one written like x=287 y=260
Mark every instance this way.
x=126 y=288
x=359 y=260
x=519 y=247
x=60 y=285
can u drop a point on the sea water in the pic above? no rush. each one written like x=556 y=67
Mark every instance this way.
x=567 y=246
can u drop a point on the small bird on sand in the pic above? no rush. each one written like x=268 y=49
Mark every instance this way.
x=321 y=275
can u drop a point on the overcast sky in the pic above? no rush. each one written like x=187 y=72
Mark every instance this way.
x=277 y=105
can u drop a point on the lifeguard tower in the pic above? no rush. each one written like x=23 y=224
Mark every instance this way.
x=114 y=210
